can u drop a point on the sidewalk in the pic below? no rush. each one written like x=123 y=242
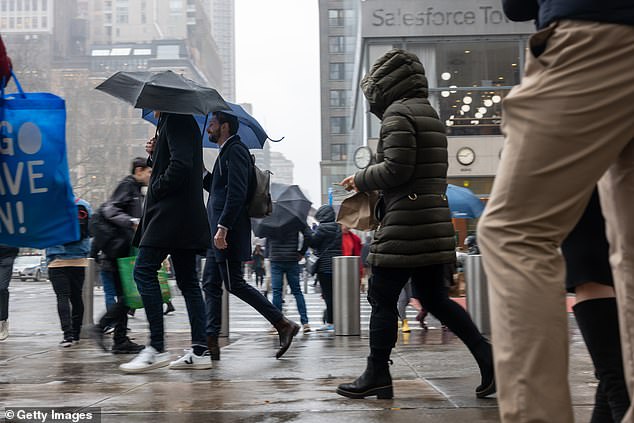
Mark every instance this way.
x=434 y=376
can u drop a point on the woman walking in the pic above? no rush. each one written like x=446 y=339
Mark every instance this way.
x=416 y=237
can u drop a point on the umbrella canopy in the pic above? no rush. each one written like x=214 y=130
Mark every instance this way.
x=290 y=211
x=250 y=131
x=163 y=91
x=463 y=203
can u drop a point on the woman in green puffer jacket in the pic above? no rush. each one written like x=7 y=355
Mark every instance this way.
x=415 y=238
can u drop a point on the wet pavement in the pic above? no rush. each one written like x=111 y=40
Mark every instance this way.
x=434 y=374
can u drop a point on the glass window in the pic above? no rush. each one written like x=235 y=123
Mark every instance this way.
x=34 y=3
x=339 y=125
x=44 y=4
x=44 y=22
x=340 y=98
x=19 y=5
x=341 y=71
x=11 y=5
x=341 y=44
x=3 y=5
x=338 y=152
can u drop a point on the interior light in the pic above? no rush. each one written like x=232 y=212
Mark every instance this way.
x=482 y=110
x=488 y=103
x=467 y=51
x=478 y=115
x=446 y=76
x=496 y=98
x=452 y=91
x=465 y=108
x=444 y=93
x=514 y=64
x=467 y=100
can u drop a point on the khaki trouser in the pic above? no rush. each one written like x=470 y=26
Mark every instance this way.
x=569 y=122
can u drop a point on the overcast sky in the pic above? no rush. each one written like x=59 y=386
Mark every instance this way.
x=277 y=71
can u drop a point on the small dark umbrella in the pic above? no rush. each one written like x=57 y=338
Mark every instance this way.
x=290 y=211
x=163 y=91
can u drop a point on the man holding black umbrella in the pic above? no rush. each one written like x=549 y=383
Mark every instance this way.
x=174 y=223
x=228 y=185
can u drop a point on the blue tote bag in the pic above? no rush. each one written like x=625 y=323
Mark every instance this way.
x=37 y=207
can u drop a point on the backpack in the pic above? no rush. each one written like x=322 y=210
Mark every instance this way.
x=259 y=191
x=113 y=240
x=84 y=221
x=260 y=203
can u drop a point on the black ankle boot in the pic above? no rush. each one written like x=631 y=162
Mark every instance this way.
x=483 y=354
x=375 y=380
x=599 y=325
x=286 y=331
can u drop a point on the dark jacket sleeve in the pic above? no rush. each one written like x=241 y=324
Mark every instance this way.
x=207 y=181
x=399 y=156
x=180 y=140
x=115 y=210
x=237 y=184
x=520 y=10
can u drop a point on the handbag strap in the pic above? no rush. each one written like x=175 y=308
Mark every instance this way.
x=333 y=242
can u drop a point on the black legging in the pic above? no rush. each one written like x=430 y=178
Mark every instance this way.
x=429 y=287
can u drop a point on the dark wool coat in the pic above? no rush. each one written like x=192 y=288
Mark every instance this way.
x=228 y=186
x=174 y=215
x=411 y=168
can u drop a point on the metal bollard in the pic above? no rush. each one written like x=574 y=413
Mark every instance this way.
x=87 y=295
x=346 y=302
x=477 y=293
x=224 y=322
x=267 y=277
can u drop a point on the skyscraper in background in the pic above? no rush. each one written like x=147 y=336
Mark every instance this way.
x=222 y=16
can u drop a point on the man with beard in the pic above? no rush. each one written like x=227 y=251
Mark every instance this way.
x=229 y=185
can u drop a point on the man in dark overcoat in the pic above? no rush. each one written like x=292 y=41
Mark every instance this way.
x=228 y=185
x=174 y=223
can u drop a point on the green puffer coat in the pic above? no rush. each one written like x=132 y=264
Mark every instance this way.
x=411 y=168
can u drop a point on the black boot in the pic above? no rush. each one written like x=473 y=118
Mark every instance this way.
x=214 y=348
x=483 y=354
x=375 y=380
x=286 y=330
x=599 y=325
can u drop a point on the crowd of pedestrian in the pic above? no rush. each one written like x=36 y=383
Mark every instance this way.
x=571 y=161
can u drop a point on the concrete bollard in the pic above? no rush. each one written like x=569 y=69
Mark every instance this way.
x=346 y=303
x=87 y=294
x=477 y=293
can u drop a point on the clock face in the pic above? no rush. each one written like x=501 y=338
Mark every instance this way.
x=362 y=157
x=465 y=156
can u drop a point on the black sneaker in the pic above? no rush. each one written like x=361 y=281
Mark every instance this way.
x=66 y=343
x=127 y=347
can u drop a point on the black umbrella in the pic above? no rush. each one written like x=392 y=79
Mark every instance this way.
x=290 y=211
x=163 y=91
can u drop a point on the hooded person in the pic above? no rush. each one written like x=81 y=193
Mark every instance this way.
x=415 y=238
x=326 y=244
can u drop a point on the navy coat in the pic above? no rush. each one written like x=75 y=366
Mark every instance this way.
x=228 y=185
x=174 y=214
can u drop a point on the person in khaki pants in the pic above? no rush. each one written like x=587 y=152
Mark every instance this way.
x=568 y=125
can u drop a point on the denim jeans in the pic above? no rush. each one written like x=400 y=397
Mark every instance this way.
x=109 y=290
x=147 y=265
x=68 y=283
x=231 y=273
x=6 y=269
x=291 y=269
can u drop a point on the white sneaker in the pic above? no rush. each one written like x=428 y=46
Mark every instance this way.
x=192 y=361
x=147 y=359
x=4 y=329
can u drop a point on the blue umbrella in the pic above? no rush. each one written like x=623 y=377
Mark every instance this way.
x=463 y=203
x=250 y=131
